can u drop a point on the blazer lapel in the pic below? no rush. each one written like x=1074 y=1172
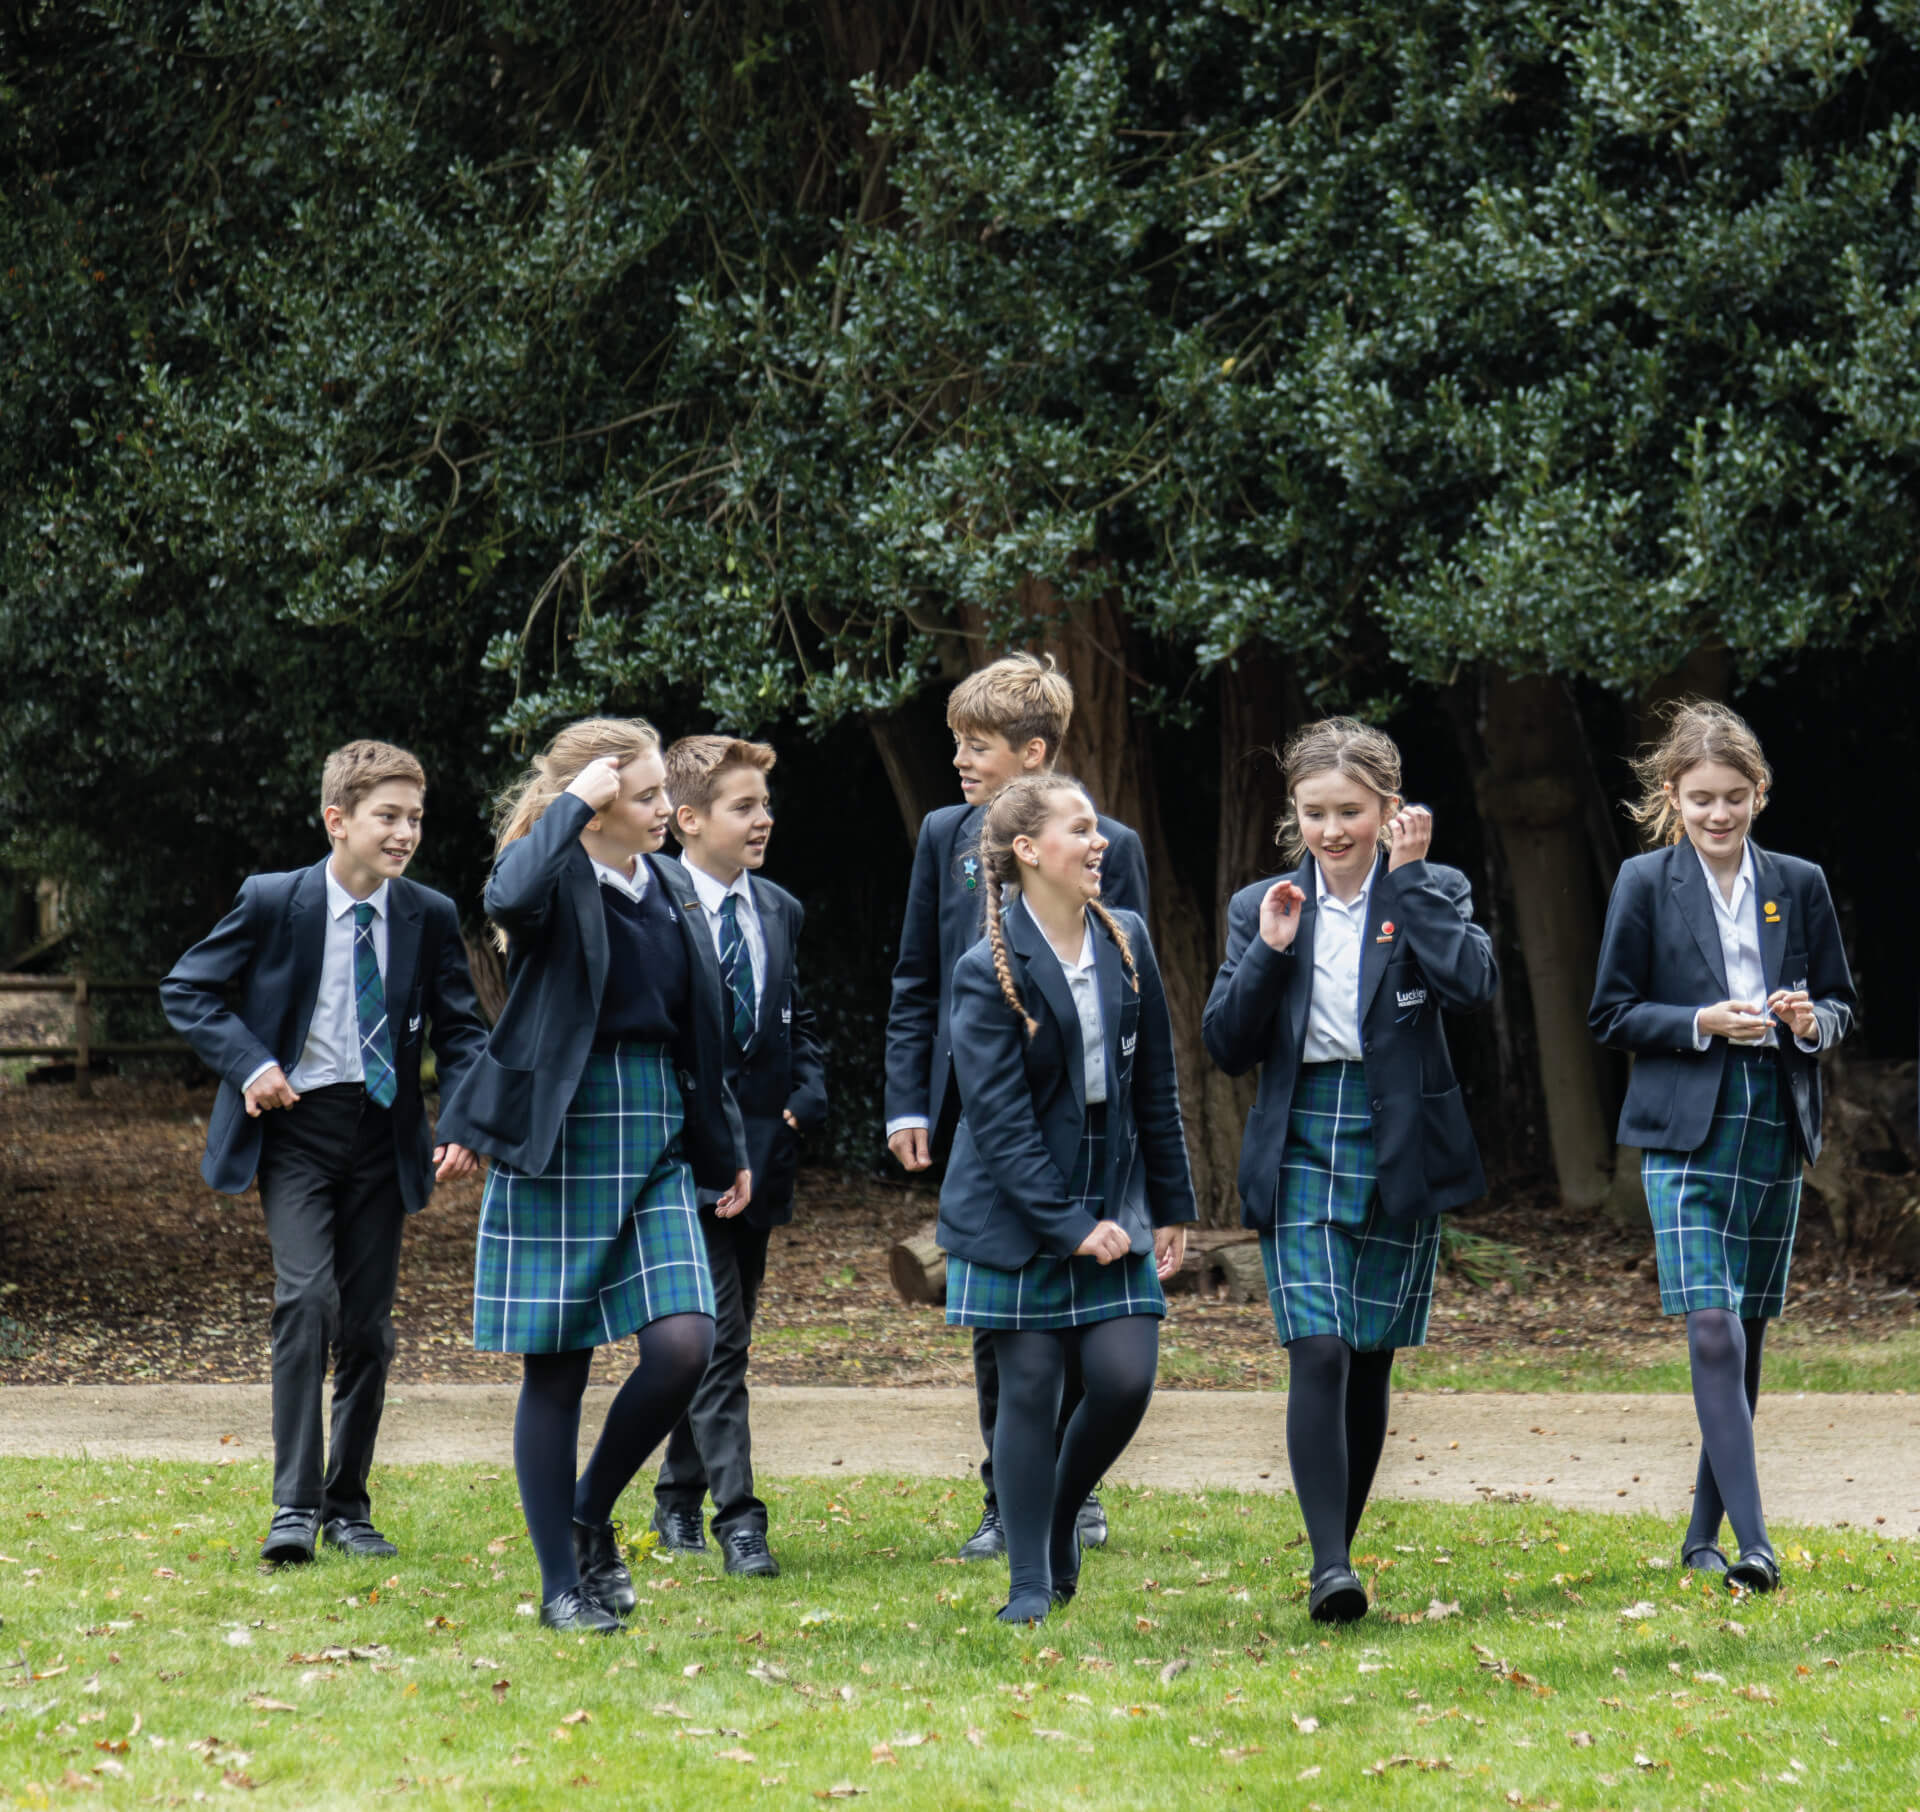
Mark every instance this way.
x=307 y=933
x=1043 y=970
x=1689 y=882
x=1376 y=942
x=1772 y=908
x=593 y=920
x=779 y=942
x=1300 y=996
x=695 y=935
x=1112 y=979
x=403 y=956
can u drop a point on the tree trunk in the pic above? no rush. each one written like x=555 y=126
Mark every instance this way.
x=1528 y=790
x=917 y=769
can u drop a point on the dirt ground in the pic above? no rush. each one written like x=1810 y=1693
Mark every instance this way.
x=118 y=1265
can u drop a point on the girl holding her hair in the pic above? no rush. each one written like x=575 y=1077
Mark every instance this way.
x=1722 y=971
x=602 y=1101
x=1333 y=985
x=1068 y=1188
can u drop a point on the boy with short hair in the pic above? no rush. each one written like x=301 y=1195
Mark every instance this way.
x=337 y=967
x=777 y=1071
x=1008 y=719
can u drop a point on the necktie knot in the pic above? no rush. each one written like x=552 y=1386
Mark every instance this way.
x=362 y=915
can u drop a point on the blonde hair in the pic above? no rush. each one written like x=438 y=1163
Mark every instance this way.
x=1335 y=745
x=695 y=764
x=1021 y=809
x=1019 y=696
x=557 y=767
x=354 y=769
x=1696 y=731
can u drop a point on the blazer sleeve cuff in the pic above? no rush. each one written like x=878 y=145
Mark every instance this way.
x=1069 y=1241
x=254 y=1074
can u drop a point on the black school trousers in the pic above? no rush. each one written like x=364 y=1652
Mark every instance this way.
x=711 y=1447
x=329 y=1182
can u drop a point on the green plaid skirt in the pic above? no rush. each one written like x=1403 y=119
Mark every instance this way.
x=1049 y=1292
x=607 y=1238
x=1335 y=1263
x=1724 y=1216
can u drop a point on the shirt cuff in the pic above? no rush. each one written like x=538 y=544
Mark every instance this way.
x=1700 y=1039
x=917 y=1121
x=1811 y=1045
x=257 y=1074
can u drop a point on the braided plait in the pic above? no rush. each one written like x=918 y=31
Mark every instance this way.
x=1002 y=963
x=1121 y=941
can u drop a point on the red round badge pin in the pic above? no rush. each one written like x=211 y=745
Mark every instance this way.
x=1386 y=927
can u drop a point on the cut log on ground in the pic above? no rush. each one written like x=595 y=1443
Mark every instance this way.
x=918 y=1267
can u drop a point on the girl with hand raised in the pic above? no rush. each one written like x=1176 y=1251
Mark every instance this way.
x=1068 y=1190
x=1333 y=985
x=1722 y=971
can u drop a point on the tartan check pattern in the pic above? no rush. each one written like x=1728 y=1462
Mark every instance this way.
x=736 y=970
x=1335 y=1263
x=370 y=1010
x=607 y=1238
x=1724 y=1216
x=1049 y=1292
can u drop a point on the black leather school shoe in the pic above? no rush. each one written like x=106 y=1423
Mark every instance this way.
x=1755 y=1571
x=358 y=1538
x=745 y=1552
x=603 y=1574
x=574 y=1612
x=1704 y=1558
x=987 y=1542
x=290 y=1536
x=1337 y=1596
x=681 y=1530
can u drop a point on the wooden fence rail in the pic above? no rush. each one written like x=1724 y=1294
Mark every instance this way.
x=83 y=1049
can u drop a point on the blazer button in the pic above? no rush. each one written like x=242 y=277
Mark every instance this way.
x=1366 y=1050
x=1378 y=1105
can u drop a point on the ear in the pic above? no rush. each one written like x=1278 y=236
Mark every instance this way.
x=686 y=822
x=1026 y=852
x=1033 y=756
x=335 y=820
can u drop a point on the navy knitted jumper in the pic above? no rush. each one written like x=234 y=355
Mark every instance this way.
x=645 y=1001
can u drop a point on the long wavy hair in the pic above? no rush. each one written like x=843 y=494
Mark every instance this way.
x=1696 y=730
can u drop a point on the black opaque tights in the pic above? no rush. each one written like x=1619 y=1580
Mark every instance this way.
x=1040 y=1494
x=546 y=1434
x=1337 y=1406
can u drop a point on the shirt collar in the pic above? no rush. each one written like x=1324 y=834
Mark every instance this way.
x=634 y=886
x=712 y=894
x=1356 y=908
x=1741 y=882
x=1086 y=960
x=339 y=901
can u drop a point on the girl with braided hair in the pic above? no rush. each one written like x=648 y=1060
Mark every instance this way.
x=1067 y=1194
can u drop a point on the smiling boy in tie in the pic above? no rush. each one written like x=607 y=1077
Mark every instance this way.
x=336 y=968
x=777 y=1071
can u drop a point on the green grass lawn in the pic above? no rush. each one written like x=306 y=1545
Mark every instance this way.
x=1516 y=1657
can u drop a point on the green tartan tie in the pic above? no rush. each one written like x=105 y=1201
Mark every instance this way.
x=370 y=1007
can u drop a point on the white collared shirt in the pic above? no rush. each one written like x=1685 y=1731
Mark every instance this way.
x=634 y=885
x=712 y=896
x=1083 y=978
x=332 y=1052
x=1740 y=947
x=1333 y=1010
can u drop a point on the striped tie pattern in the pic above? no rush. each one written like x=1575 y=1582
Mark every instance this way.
x=736 y=970
x=370 y=1006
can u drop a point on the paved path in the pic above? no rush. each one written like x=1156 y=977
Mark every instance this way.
x=1823 y=1459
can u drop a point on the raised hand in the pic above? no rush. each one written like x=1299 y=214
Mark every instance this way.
x=1280 y=915
x=1409 y=836
x=598 y=783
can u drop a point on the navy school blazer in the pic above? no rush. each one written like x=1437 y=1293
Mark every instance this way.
x=544 y=895
x=1024 y=1101
x=786 y=1069
x=946 y=915
x=1422 y=953
x=1661 y=961
x=272 y=944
